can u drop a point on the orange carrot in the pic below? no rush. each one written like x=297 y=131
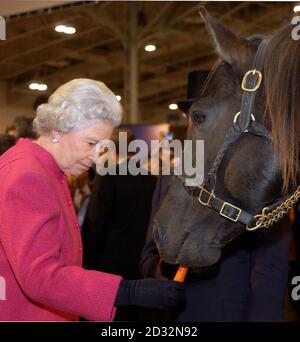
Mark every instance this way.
x=180 y=274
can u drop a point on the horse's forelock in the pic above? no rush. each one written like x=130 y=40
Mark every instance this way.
x=219 y=70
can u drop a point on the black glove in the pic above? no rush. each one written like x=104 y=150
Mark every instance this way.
x=150 y=293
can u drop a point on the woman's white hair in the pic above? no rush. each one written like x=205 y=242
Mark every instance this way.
x=75 y=101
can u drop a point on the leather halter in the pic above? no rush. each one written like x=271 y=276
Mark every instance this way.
x=244 y=123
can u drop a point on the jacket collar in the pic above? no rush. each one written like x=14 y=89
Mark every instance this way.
x=42 y=155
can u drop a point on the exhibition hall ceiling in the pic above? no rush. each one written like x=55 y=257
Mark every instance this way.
x=105 y=33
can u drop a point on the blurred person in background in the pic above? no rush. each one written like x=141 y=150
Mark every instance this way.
x=115 y=226
x=24 y=127
x=11 y=130
x=6 y=142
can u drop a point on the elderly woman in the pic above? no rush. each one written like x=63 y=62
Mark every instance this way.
x=40 y=247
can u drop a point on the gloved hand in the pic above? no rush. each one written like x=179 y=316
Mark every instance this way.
x=150 y=293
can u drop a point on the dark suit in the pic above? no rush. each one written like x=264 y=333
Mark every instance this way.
x=249 y=282
x=115 y=226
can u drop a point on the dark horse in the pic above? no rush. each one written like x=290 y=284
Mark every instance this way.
x=250 y=163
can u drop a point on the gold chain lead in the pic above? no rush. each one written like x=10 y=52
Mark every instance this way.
x=265 y=219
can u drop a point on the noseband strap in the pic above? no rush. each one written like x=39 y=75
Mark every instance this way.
x=224 y=208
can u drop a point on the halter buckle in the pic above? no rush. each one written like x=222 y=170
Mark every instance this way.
x=209 y=194
x=225 y=206
x=258 y=81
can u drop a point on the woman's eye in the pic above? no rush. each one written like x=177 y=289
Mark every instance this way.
x=198 y=117
x=91 y=144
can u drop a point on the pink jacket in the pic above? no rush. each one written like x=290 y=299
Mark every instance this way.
x=41 y=277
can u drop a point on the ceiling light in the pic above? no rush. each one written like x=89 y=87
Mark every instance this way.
x=60 y=28
x=150 y=47
x=297 y=8
x=173 y=106
x=118 y=97
x=69 y=30
x=43 y=87
x=38 y=86
x=65 y=29
x=33 y=86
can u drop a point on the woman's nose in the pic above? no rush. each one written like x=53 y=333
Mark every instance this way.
x=94 y=155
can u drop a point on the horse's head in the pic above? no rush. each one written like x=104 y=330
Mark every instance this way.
x=254 y=166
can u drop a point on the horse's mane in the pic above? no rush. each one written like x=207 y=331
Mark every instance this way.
x=282 y=89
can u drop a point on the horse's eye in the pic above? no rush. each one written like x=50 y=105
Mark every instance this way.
x=197 y=117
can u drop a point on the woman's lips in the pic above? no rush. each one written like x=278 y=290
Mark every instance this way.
x=86 y=167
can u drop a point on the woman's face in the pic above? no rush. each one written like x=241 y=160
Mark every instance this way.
x=76 y=151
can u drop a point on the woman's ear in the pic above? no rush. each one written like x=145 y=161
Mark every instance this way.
x=56 y=135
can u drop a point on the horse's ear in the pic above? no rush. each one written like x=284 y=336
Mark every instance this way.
x=230 y=48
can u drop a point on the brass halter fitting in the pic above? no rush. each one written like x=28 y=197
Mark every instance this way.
x=258 y=82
